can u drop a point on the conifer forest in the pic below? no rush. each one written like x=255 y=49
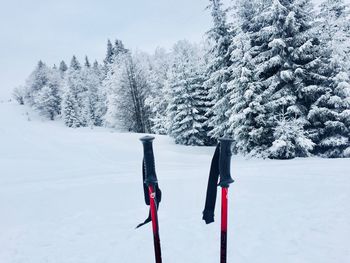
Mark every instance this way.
x=272 y=74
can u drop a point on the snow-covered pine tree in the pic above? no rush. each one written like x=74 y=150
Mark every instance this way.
x=91 y=100
x=109 y=56
x=242 y=73
x=319 y=91
x=101 y=106
x=218 y=70
x=273 y=64
x=158 y=98
x=290 y=139
x=87 y=62
x=73 y=96
x=333 y=138
x=112 y=54
x=330 y=120
x=290 y=72
x=87 y=100
x=47 y=100
x=74 y=64
x=201 y=93
x=187 y=104
x=118 y=48
x=36 y=81
x=96 y=65
x=63 y=66
x=256 y=74
x=43 y=91
x=333 y=26
x=70 y=107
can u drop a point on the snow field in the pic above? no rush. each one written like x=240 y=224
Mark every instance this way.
x=75 y=195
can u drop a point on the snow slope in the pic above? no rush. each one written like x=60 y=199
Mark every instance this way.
x=75 y=196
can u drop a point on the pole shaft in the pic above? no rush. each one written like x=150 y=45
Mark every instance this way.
x=224 y=206
x=156 y=239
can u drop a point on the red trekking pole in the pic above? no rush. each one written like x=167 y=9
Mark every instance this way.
x=150 y=180
x=220 y=165
x=225 y=181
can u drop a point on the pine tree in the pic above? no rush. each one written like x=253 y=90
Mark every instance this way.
x=74 y=96
x=70 y=109
x=272 y=84
x=43 y=91
x=261 y=30
x=92 y=97
x=112 y=54
x=74 y=64
x=218 y=70
x=288 y=72
x=290 y=139
x=330 y=119
x=242 y=74
x=48 y=99
x=322 y=96
x=185 y=110
x=101 y=107
x=330 y=112
x=118 y=48
x=63 y=67
x=158 y=98
x=334 y=32
x=36 y=81
x=109 y=55
x=95 y=65
x=87 y=63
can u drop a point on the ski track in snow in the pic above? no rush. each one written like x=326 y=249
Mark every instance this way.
x=75 y=196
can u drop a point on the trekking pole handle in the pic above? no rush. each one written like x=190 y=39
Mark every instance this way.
x=225 y=162
x=148 y=159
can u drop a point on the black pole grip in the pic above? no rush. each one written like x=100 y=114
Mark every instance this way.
x=148 y=159
x=225 y=162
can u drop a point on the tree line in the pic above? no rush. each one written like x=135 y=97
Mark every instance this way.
x=273 y=74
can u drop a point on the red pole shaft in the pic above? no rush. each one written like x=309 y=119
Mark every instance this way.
x=154 y=216
x=224 y=206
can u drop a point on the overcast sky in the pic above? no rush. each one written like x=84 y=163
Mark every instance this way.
x=53 y=30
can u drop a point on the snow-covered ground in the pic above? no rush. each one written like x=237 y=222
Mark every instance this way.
x=75 y=196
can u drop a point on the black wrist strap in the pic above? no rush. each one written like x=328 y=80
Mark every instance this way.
x=158 y=197
x=208 y=213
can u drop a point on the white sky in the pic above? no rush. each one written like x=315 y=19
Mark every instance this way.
x=54 y=30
